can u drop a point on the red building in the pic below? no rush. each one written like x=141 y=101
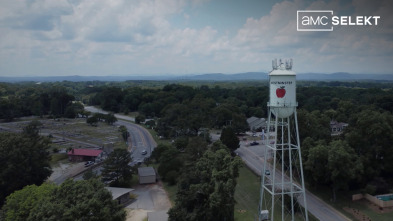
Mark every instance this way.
x=84 y=154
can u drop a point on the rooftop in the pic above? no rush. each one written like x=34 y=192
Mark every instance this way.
x=146 y=171
x=117 y=192
x=85 y=152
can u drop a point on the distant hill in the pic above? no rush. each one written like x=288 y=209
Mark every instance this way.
x=343 y=76
x=339 y=76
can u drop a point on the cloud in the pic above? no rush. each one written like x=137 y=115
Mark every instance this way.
x=361 y=47
x=140 y=37
x=33 y=15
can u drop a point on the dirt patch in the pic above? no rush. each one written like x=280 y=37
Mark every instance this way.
x=150 y=198
x=136 y=214
x=357 y=214
x=65 y=169
x=160 y=198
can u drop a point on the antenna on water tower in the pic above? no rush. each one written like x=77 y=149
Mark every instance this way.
x=282 y=184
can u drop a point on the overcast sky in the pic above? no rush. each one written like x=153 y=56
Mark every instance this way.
x=162 y=37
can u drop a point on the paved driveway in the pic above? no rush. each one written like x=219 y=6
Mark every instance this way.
x=151 y=197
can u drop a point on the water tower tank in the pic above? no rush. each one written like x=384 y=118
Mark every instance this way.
x=282 y=83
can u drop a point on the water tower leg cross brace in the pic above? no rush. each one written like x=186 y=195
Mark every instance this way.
x=282 y=195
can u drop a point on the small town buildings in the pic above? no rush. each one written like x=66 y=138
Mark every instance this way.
x=147 y=175
x=78 y=155
x=256 y=124
x=121 y=195
x=336 y=128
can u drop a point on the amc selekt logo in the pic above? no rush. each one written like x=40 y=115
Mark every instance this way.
x=323 y=20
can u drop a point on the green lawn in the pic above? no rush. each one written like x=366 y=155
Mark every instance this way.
x=58 y=157
x=247 y=197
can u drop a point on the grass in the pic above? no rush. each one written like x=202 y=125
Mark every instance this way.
x=247 y=195
x=171 y=190
x=361 y=205
x=58 y=157
x=344 y=199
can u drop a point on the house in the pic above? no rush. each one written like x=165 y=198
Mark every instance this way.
x=336 y=128
x=256 y=124
x=121 y=195
x=84 y=155
x=147 y=175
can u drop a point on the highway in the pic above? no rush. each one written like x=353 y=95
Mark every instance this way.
x=253 y=157
x=140 y=139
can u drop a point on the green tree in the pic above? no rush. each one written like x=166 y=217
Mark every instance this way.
x=116 y=168
x=229 y=138
x=316 y=165
x=206 y=190
x=92 y=121
x=19 y=204
x=156 y=154
x=78 y=200
x=370 y=134
x=195 y=149
x=344 y=166
x=169 y=161
x=140 y=118
x=33 y=128
x=90 y=174
x=181 y=143
x=24 y=161
x=110 y=118
x=124 y=132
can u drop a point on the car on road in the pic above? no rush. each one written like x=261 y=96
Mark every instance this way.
x=144 y=152
x=254 y=143
x=89 y=163
x=267 y=172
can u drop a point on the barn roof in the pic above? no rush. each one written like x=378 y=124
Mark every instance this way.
x=85 y=152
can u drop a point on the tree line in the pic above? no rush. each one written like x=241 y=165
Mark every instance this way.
x=357 y=159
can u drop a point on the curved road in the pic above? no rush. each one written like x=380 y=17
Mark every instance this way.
x=140 y=139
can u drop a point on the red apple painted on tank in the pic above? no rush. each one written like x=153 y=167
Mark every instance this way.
x=280 y=92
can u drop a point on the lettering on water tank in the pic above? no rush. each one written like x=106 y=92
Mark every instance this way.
x=281 y=82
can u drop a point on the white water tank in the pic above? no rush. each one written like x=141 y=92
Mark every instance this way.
x=282 y=83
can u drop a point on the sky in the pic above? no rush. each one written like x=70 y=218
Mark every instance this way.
x=183 y=37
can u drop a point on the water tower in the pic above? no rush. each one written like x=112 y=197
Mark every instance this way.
x=282 y=184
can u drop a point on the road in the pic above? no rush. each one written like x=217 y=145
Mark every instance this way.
x=140 y=138
x=253 y=157
x=118 y=116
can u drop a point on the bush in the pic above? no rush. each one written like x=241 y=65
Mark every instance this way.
x=370 y=189
x=140 y=118
x=171 y=177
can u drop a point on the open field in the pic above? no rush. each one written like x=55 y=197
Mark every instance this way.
x=247 y=196
x=74 y=133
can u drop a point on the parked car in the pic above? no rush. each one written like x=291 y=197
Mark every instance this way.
x=144 y=152
x=267 y=172
x=254 y=143
x=89 y=163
